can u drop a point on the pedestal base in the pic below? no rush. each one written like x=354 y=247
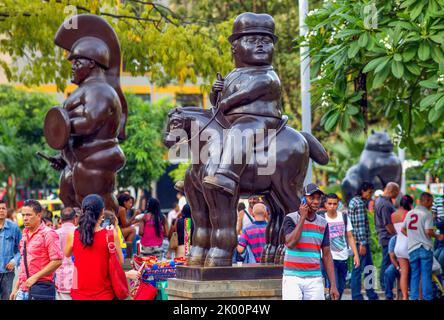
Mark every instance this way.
x=249 y=281
x=263 y=289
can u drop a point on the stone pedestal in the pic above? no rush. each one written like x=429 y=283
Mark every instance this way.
x=264 y=289
x=226 y=283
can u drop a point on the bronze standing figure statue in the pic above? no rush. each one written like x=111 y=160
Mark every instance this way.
x=87 y=127
x=249 y=98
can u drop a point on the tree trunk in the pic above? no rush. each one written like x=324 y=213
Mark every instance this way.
x=324 y=178
x=361 y=85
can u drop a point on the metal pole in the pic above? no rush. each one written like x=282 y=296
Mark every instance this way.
x=401 y=155
x=305 y=80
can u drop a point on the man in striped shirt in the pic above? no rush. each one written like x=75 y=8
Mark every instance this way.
x=254 y=234
x=306 y=237
x=438 y=208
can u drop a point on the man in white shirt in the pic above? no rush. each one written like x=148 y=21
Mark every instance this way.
x=341 y=239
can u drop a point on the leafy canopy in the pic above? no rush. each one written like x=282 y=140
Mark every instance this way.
x=376 y=60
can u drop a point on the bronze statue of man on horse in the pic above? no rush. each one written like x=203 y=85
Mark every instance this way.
x=247 y=103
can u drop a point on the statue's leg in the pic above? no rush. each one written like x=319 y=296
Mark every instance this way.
x=97 y=174
x=88 y=180
x=201 y=221
x=286 y=190
x=67 y=193
x=273 y=227
x=223 y=220
x=237 y=150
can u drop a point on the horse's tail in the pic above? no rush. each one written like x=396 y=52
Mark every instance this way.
x=317 y=151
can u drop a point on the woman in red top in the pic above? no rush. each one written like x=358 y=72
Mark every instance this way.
x=88 y=245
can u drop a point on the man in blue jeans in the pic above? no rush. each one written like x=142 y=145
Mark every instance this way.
x=10 y=236
x=418 y=227
x=357 y=212
x=383 y=224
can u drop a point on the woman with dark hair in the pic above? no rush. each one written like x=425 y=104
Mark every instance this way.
x=89 y=246
x=184 y=228
x=401 y=247
x=126 y=202
x=153 y=228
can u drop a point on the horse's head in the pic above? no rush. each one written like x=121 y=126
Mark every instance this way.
x=179 y=124
x=177 y=127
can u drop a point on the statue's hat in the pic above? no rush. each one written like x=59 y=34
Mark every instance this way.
x=92 y=48
x=253 y=23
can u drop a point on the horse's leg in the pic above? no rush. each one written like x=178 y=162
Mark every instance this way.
x=222 y=208
x=265 y=257
x=286 y=191
x=201 y=220
x=273 y=228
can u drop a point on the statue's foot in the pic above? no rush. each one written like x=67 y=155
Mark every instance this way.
x=280 y=254
x=218 y=258
x=264 y=256
x=271 y=253
x=197 y=256
x=179 y=186
x=218 y=262
x=220 y=182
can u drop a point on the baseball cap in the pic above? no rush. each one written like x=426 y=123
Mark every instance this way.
x=310 y=189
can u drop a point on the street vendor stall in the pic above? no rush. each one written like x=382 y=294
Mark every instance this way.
x=154 y=274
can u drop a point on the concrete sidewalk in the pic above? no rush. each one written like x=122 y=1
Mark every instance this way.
x=347 y=295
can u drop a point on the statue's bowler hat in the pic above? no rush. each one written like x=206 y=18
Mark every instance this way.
x=252 y=23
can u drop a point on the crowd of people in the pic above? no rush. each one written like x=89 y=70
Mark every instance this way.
x=68 y=258
x=320 y=238
x=327 y=243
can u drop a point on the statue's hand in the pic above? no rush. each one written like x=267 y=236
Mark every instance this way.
x=57 y=163
x=217 y=87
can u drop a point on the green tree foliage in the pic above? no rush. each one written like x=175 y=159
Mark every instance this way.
x=186 y=40
x=143 y=147
x=376 y=60
x=153 y=38
x=178 y=174
x=21 y=136
x=344 y=152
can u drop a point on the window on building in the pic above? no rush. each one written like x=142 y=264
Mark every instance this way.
x=144 y=96
x=188 y=100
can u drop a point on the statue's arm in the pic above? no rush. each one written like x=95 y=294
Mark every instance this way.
x=96 y=112
x=251 y=92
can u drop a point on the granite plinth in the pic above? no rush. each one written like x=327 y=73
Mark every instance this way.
x=244 y=272
x=259 y=289
x=249 y=281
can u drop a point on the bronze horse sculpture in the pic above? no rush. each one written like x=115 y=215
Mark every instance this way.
x=214 y=212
